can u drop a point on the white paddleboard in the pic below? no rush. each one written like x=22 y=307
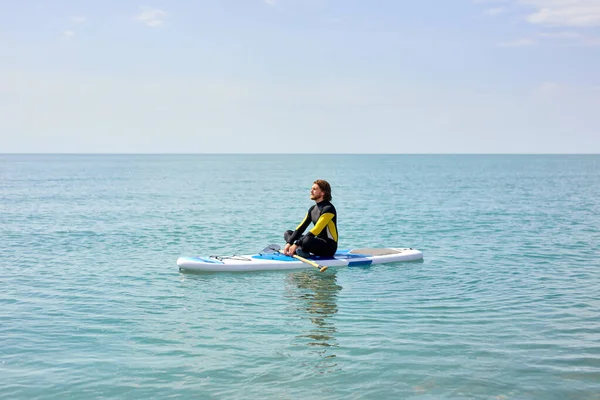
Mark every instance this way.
x=278 y=261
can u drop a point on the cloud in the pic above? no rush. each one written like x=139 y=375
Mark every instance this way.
x=271 y=2
x=566 y=13
x=494 y=11
x=591 y=40
x=564 y=38
x=554 y=90
x=523 y=42
x=68 y=35
x=78 y=19
x=555 y=13
x=549 y=88
x=560 y=35
x=574 y=15
x=151 y=17
x=571 y=38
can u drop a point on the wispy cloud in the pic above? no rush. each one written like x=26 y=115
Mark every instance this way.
x=490 y=1
x=590 y=40
x=152 y=17
x=271 y=2
x=556 y=13
x=67 y=35
x=563 y=38
x=571 y=13
x=560 y=35
x=578 y=16
x=78 y=19
x=550 y=89
x=571 y=38
x=494 y=11
x=523 y=42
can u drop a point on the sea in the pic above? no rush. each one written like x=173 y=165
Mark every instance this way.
x=504 y=305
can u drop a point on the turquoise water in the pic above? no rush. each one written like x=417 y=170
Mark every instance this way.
x=505 y=304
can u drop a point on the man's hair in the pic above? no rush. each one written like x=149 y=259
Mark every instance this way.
x=325 y=187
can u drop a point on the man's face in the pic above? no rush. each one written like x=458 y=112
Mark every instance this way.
x=316 y=193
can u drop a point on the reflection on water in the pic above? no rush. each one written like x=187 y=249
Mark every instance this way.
x=314 y=296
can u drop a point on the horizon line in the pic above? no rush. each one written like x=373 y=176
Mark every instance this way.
x=291 y=154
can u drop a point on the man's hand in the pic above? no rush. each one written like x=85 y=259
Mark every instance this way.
x=290 y=250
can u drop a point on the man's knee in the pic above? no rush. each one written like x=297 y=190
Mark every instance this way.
x=318 y=247
x=310 y=244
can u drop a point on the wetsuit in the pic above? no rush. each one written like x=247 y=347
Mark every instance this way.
x=322 y=239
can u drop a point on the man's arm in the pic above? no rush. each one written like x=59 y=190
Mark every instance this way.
x=292 y=245
x=323 y=221
x=300 y=228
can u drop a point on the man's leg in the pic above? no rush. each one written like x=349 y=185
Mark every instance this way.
x=318 y=246
x=287 y=234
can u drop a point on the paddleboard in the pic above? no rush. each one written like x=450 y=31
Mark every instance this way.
x=278 y=261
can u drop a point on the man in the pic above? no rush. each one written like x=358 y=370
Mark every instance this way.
x=322 y=239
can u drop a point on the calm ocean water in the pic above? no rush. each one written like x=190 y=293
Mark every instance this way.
x=505 y=304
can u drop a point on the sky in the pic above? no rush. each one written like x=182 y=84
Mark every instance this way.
x=300 y=76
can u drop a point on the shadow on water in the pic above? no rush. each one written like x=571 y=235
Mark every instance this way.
x=314 y=296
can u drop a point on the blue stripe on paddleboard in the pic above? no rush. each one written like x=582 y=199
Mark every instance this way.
x=274 y=256
x=282 y=257
x=340 y=255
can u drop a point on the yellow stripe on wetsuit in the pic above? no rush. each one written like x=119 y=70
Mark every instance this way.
x=325 y=221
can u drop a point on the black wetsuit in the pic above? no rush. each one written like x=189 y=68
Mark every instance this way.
x=322 y=239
